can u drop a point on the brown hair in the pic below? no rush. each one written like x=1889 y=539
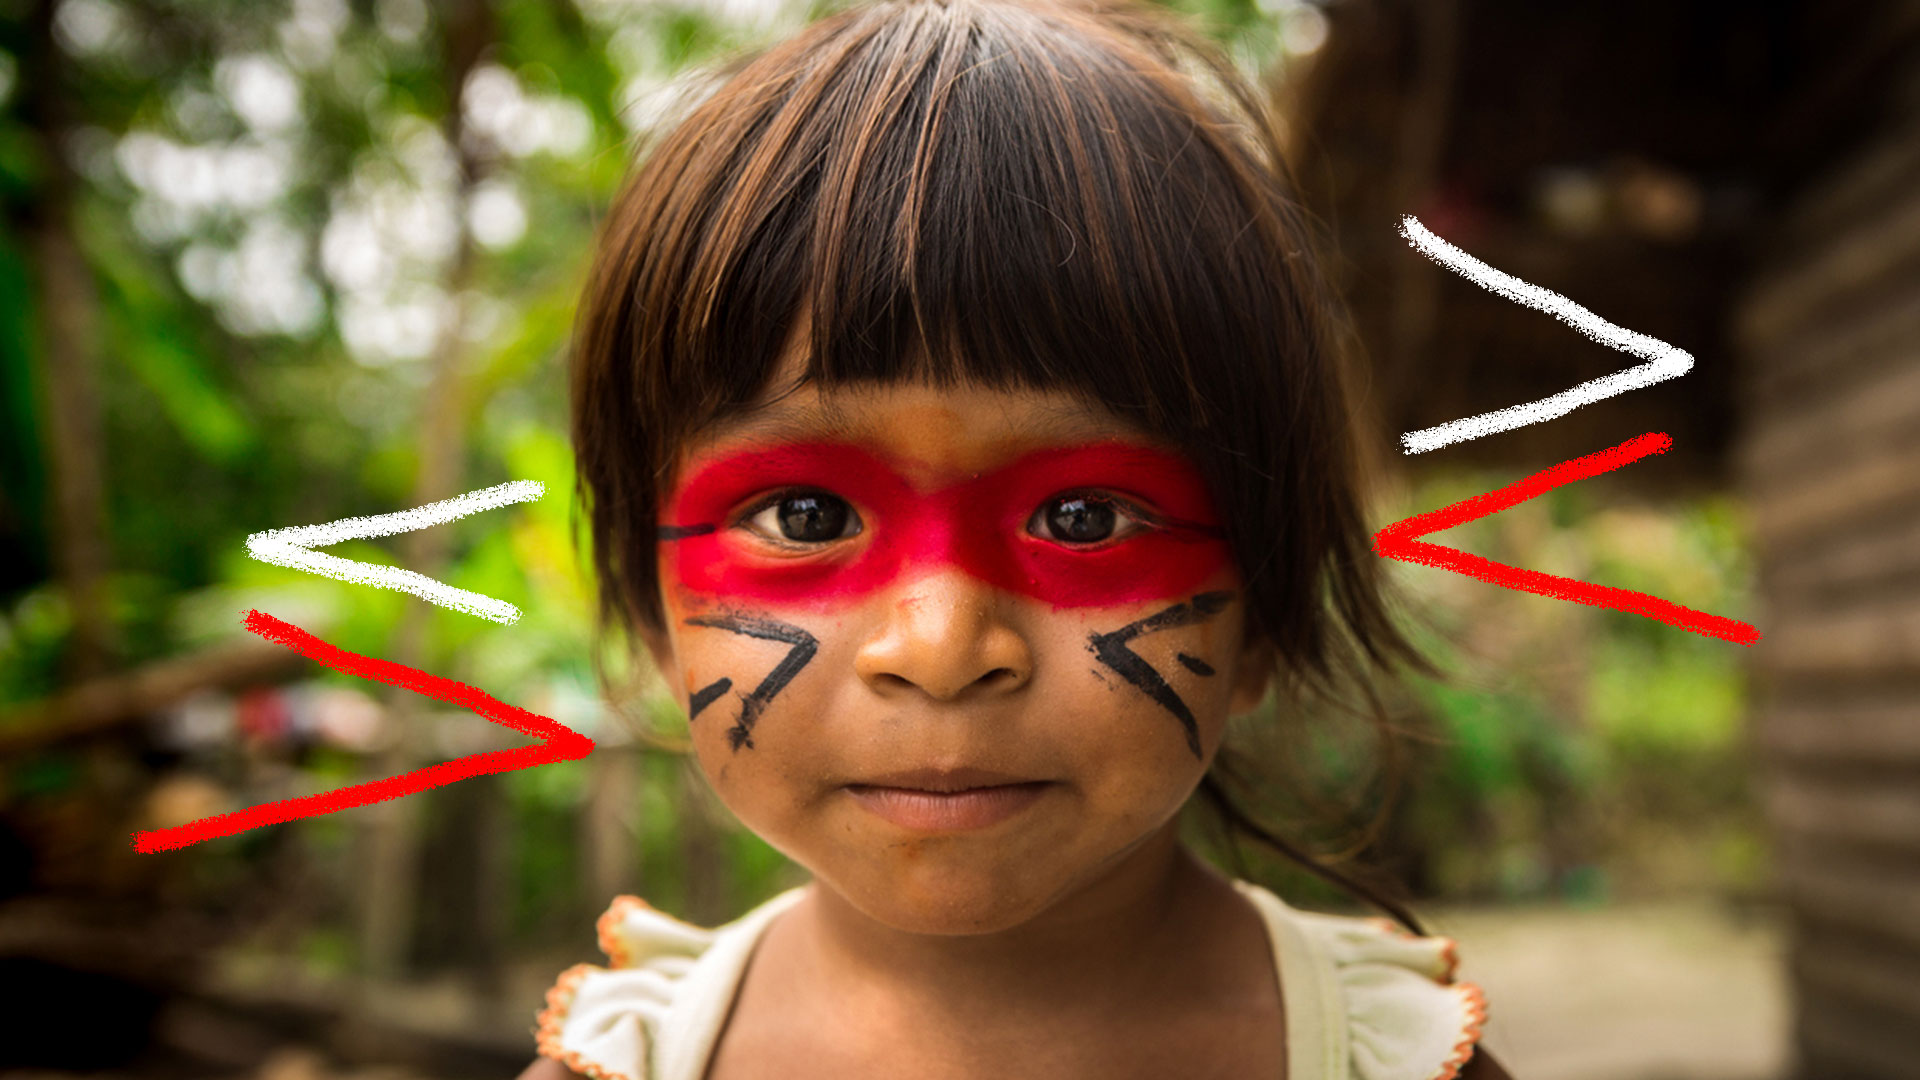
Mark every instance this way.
x=1080 y=195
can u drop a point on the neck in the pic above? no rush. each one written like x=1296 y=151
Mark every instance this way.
x=1109 y=944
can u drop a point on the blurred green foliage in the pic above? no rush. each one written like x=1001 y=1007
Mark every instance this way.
x=1571 y=732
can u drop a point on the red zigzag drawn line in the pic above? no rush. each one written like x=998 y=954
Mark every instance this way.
x=1401 y=540
x=557 y=743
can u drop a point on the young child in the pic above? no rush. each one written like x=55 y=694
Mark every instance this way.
x=957 y=405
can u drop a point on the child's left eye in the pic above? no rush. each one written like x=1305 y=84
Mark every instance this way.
x=1085 y=518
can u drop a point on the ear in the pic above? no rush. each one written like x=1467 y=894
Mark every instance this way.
x=1252 y=675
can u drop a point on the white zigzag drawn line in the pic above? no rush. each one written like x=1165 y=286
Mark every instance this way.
x=1663 y=361
x=292 y=547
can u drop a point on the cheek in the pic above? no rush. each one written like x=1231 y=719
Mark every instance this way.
x=752 y=784
x=1132 y=764
x=793 y=726
x=1164 y=656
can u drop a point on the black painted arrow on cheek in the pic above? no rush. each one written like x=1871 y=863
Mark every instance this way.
x=1194 y=664
x=1112 y=650
x=753 y=704
x=705 y=697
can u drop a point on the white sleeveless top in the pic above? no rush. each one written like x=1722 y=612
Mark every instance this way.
x=1364 y=999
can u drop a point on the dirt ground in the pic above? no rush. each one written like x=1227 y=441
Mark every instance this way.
x=1647 y=991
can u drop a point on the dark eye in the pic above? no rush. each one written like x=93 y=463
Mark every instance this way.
x=1080 y=518
x=805 y=517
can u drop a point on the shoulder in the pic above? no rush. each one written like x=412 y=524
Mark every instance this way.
x=662 y=979
x=1384 y=1000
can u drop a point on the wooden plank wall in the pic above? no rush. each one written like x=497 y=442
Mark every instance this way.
x=1829 y=453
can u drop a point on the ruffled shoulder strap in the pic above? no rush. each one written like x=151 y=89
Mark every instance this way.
x=656 y=1009
x=1368 y=1001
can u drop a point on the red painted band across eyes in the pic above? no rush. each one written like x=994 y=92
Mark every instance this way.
x=978 y=524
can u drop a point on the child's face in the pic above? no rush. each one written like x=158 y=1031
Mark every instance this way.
x=896 y=580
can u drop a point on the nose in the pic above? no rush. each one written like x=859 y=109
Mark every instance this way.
x=945 y=634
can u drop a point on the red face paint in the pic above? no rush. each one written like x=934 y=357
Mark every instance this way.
x=978 y=524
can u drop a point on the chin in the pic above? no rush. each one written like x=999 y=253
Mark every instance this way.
x=915 y=891
x=949 y=913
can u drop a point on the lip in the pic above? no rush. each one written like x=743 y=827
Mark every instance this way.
x=921 y=810
x=944 y=781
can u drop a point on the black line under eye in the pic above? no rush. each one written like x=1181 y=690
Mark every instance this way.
x=804 y=517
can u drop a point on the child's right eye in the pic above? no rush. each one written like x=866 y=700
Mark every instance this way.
x=803 y=517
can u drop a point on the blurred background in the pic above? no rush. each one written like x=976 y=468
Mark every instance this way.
x=276 y=262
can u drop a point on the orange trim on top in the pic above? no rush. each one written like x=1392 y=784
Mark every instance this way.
x=1476 y=1003
x=616 y=913
x=603 y=928
x=547 y=1037
x=1451 y=954
x=1449 y=951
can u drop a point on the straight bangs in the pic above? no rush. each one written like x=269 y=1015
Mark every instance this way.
x=1013 y=195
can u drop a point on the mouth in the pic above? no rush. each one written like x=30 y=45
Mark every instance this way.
x=948 y=811
x=944 y=781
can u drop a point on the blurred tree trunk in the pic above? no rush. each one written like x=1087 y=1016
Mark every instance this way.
x=67 y=311
x=392 y=883
x=1435 y=48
